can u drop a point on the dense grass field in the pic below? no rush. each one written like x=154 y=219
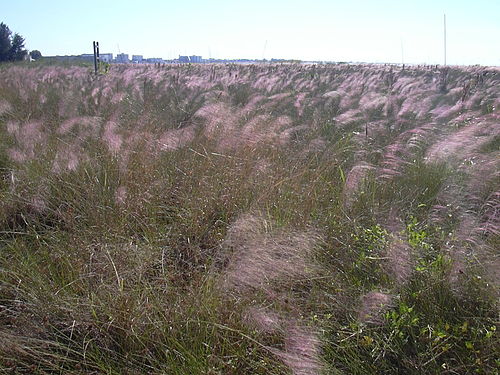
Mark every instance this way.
x=249 y=219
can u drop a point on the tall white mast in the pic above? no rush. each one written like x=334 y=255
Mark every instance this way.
x=402 y=54
x=445 y=40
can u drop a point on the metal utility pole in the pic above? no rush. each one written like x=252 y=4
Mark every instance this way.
x=402 y=54
x=445 y=40
x=96 y=55
x=98 y=58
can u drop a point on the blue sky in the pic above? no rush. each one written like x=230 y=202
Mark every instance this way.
x=369 y=31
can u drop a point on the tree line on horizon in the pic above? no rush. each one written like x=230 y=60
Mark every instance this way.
x=12 y=46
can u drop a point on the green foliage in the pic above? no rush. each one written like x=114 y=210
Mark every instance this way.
x=428 y=331
x=417 y=235
x=367 y=248
x=5 y=42
x=11 y=47
x=35 y=54
x=17 y=51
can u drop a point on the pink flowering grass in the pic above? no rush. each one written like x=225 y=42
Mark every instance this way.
x=248 y=219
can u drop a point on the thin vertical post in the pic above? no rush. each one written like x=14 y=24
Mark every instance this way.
x=402 y=54
x=444 y=39
x=98 y=59
x=95 y=57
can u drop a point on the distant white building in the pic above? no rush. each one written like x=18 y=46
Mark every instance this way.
x=122 y=58
x=137 y=58
x=190 y=59
x=154 y=60
x=195 y=59
x=87 y=56
x=106 y=57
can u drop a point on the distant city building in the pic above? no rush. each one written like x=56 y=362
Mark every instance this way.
x=64 y=58
x=137 y=58
x=122 y=58
x=87 y=56
x=190 y=59
x=154 y=60
x=106 y=57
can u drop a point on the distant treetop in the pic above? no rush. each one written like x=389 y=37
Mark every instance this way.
x=11 y=46
x=35 y=54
